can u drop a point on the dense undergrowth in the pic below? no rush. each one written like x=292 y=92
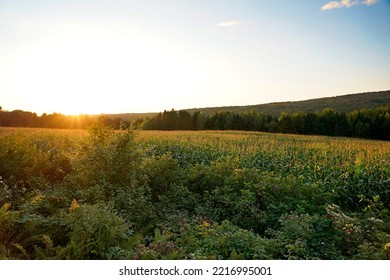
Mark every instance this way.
x=191 y=195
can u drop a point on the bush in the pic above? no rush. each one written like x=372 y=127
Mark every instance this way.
x=303 y=236
x=94 y=231
x=207 y=240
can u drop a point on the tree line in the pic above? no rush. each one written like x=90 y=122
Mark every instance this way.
x=19 y=118
x=363 y=123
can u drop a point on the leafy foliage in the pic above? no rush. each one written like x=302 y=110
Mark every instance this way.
x=94 y=231
x=106 y=194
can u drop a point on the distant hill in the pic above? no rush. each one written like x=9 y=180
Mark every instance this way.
x=129 y=116
x=344 y=103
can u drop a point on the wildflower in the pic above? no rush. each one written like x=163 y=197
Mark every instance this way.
x=74 y=205
x=37 y=199
x=5 y=207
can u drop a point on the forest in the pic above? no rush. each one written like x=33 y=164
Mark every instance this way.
x=363 y=123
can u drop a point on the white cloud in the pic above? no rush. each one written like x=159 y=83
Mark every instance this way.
x=228 y=23
x=347 y=4
x=370 y=2
x=339 y=4
x=331 y=5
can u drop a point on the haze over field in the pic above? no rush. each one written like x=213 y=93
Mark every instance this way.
x=146 y=56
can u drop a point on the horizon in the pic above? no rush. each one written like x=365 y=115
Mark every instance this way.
x=112 y=57
x=193 y=108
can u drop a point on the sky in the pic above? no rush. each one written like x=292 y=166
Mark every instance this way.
x=122 y=56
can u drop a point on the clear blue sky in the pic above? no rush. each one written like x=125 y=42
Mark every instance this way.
x=84 y=56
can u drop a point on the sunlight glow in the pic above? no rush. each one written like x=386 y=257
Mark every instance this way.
x=94 y=73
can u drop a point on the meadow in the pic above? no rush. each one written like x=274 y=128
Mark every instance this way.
x=104 y=194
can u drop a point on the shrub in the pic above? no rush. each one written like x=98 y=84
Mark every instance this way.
x=94 y=231
x=207 y=240
x=303 y=236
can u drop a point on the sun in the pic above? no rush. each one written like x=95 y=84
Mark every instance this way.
x=102 y=73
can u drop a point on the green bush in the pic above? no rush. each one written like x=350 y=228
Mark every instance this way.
x=303 y=236
x=207 y=240
x=8 y=233
x=94 y=231
x=162 y=173
x=365 y=236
